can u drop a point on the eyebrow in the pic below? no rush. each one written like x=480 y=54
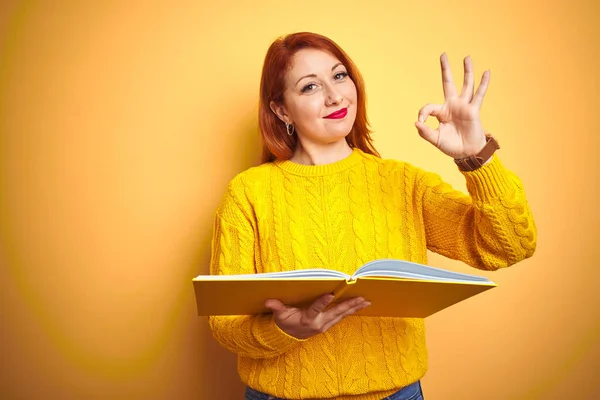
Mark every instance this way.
x=314 y=76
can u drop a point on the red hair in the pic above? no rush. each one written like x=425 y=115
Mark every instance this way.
x=277 y=144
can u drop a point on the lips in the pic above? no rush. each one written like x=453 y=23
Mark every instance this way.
x=341 y=113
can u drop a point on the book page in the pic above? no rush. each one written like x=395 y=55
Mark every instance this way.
x=296 y=274
x=410 y=270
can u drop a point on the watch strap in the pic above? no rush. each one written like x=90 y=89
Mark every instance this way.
x=475 y=161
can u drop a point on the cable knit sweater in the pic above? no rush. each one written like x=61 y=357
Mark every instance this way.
x=282 y=216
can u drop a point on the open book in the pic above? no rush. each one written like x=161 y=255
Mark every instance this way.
x=395 y=288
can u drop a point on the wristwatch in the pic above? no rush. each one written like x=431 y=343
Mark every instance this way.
x=473 y=162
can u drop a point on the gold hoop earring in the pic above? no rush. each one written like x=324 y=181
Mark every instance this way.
x=290 y=132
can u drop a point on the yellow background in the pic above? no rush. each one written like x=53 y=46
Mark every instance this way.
x=122 y=122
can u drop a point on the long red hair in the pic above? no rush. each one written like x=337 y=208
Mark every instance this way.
x=277 y=144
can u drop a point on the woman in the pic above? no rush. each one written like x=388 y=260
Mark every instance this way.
x=323 y=198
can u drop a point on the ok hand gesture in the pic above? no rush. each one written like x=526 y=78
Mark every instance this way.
x=460 y=133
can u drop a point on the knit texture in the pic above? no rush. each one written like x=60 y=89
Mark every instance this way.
x=282 y=216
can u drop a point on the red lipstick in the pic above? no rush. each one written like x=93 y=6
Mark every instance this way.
x=338 y=114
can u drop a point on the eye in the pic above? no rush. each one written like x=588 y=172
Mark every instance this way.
x=340 y=75
x=308 y=87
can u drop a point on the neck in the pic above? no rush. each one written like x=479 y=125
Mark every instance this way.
x=310 y=154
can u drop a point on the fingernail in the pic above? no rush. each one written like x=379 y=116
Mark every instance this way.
x=367 y=304
x=421 y=119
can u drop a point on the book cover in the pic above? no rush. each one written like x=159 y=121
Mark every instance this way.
x=395 y=288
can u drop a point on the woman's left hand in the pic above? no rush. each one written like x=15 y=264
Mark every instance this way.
x=460 y=133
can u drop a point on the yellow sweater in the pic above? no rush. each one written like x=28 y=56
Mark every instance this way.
x=282 y=216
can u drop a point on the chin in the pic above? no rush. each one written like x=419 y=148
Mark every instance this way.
x=337 y=138
x=341 y=133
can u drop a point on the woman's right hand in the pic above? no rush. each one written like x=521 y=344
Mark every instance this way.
x=303 y=323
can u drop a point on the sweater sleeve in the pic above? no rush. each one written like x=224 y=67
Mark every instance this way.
x=233 y=247
x=490 y=228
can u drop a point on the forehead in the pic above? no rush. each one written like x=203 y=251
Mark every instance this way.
x=311 y=61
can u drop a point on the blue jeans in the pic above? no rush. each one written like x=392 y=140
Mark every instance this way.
x=410 y=392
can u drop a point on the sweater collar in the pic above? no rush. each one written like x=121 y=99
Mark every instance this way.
x=321 y=170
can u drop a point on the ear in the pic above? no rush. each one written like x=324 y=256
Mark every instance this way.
x=279 y=110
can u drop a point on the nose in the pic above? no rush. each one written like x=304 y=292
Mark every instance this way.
x=333 y=97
